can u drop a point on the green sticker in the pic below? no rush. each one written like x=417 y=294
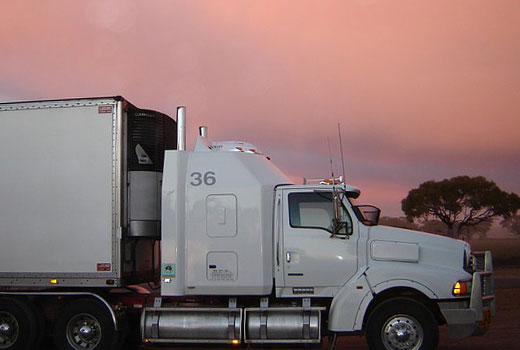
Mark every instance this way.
x=168 y=270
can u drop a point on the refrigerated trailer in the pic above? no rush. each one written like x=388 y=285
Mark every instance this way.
x=111 y=228
x=80 y=192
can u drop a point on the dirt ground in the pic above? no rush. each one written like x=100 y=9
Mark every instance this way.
x=503 y=334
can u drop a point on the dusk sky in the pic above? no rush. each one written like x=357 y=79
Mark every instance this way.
x=424 y=90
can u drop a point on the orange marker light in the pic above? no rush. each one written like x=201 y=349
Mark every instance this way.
x=235 y=342
x=460 y=288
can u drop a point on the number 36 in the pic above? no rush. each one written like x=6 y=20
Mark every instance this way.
x=198 y=179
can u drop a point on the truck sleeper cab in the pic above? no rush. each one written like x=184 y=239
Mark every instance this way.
x=290 y=233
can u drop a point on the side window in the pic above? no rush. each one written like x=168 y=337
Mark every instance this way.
x=314 y=210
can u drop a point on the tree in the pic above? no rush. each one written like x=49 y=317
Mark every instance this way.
x=434 y=226
x=512 y=224
x=479 y=231
x=400 y=222
x=461 y=203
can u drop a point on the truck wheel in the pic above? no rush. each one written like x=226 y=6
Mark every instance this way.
x=85 y=324
x=41 y=325
x=402 y=324
x=18 y=326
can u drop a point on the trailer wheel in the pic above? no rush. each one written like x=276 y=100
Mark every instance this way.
x=85 y=324
x=41 y=325
x=18 y=326
x=402 y=324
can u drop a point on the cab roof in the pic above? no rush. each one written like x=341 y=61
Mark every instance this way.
x=351 y=191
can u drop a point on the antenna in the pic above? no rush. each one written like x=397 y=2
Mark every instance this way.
x=336 y=199
x=342 y=159
x=330 y=157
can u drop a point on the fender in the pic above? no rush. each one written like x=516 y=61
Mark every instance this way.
x=435 y=282
x=345 y=305
x=387 y=285
x=394 y=283
x=348 y=308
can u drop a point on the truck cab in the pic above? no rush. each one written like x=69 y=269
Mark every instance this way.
x=235 y=226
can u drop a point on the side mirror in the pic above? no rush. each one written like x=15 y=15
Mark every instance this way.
x=368 y=214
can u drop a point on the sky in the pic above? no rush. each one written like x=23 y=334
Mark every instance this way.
x=423 y=90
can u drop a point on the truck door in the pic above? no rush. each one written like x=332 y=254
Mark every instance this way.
x=313 y=257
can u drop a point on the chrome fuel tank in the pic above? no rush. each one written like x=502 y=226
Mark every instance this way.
x=191 y=325
x=282 y=325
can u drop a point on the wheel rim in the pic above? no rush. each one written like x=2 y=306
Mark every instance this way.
x=83 y=332
x=9 y=330
x=402 y=332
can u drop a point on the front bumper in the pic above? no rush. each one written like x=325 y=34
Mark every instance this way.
x=465 y=318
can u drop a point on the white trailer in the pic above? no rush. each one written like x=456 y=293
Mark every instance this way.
x=97 y=196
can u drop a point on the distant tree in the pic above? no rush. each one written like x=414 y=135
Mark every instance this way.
x=460 y=203
x=480 y=230
x=512 y=224
x=401 y=222
x=434 y=226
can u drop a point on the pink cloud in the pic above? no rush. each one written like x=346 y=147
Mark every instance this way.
x=421 y=90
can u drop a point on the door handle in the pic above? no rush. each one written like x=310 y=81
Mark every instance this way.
x=288 y=256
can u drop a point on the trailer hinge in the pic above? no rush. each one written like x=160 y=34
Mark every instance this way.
x=232 y=304
x=157 y=302
x=264 y=303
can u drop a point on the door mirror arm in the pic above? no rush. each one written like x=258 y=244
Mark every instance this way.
x=339 y=225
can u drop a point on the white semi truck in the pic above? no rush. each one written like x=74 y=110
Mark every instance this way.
x=110 y=227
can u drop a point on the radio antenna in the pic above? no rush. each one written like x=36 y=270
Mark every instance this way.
x=330 y=157
x=342 y=159
x=336 y=199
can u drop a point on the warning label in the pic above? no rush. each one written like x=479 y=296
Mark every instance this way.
x=221 y=275
x=168 y=270
x=105 y=109
x=103 y=267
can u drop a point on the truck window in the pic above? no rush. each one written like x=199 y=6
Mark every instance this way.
x=314 y=210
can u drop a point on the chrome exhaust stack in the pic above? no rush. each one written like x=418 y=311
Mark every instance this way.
x=203 y=132
x=181 y=128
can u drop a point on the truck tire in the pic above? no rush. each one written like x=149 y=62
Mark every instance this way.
x=404 y=324
x=41 y=325
x=85 y=324
x=18 y=325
